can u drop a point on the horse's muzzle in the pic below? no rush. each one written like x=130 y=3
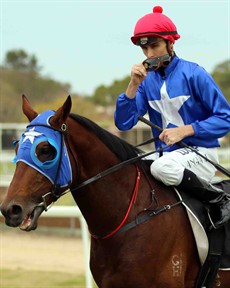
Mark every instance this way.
x=16 y=217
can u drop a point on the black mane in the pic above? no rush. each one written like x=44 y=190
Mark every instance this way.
x=119 y=147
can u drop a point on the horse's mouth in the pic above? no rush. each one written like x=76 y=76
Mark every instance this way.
x=30 y=221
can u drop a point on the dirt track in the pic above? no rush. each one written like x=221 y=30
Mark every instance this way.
x=33 y=251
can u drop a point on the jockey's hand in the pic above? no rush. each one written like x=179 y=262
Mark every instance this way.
x=138 y=74
x=173 y=135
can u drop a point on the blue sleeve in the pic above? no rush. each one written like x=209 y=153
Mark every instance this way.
x=128 y=109
x=217 y=124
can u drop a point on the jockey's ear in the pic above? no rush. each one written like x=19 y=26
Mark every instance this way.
x=170 y=48
x=27 y=109
x=61 y=114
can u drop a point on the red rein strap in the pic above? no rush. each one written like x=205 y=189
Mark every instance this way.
x=133 y=201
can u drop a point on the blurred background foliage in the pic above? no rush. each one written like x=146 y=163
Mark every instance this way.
x=20 y=73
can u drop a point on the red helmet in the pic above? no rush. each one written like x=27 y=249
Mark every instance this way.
x=155 y=25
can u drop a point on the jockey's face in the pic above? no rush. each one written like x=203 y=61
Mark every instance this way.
x=156 y=49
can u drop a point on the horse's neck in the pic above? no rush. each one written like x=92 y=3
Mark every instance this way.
x=100 y=201
x=89 y=154
x=104 y=202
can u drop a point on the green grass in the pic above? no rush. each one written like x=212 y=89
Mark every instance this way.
x=39 y=279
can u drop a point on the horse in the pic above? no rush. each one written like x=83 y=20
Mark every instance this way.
x=62 y=152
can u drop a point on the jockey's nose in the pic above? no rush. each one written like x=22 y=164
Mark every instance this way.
x=150 y=52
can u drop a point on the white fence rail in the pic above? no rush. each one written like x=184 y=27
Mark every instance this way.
x=74 y=212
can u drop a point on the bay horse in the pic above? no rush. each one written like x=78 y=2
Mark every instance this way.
x=61 y=151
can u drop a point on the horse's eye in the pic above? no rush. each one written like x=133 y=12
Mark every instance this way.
x=46 y=150
x=46 y=153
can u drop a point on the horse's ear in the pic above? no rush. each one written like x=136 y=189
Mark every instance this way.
x=61 y=114
x=27 y=109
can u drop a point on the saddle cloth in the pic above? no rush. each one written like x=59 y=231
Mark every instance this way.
x=200 y=224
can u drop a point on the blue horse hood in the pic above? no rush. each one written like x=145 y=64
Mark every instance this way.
x=34 y=134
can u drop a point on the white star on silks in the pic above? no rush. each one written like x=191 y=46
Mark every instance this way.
x=30 y=135
x=169 y=107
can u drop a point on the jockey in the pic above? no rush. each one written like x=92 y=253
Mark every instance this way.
x=183 y=99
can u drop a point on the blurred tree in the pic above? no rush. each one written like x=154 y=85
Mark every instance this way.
x=20 y=75
x=19 y=60
x=14 y=83
x=221 y=74
x=107 y=95
x=100 y=95
x=80 y=105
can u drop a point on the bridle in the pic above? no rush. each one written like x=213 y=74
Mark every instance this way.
x=55 y=189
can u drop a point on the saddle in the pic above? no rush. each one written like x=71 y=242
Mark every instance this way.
x=212 y=244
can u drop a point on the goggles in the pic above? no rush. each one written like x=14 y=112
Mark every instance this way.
x=152 y=64
x=145 y=41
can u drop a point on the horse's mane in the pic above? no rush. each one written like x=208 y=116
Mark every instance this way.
x=122 y=149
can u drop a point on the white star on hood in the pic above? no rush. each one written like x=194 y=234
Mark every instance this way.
x=30 y=135
x=169 y=107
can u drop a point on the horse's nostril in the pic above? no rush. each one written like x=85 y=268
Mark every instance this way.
x=13 y=214
x=15 y=210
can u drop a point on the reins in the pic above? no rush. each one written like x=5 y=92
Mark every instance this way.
x=55 y=188
x=59 y=190
x=182 y=144
x=121 y=227
x=114 y=168
x=96 y=177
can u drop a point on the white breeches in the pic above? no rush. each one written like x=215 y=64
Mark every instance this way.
x=170 y=167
